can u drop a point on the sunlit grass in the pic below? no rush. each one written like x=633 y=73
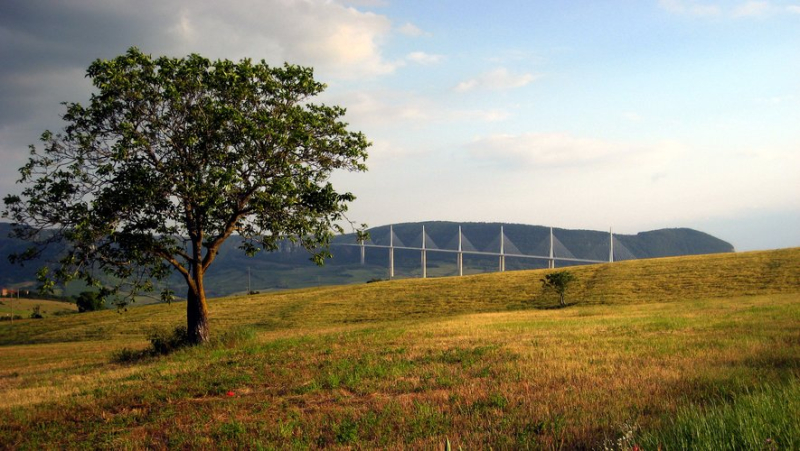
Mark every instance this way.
x=410 y=364
x=23 y=307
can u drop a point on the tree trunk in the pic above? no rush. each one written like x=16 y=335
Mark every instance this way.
x=197 y=317
x=561 y=299
x=196 y=306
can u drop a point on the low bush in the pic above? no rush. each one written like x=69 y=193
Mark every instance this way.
x=164 y=342
x=37 y=312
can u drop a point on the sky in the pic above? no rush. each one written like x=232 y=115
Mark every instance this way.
x=630 y=115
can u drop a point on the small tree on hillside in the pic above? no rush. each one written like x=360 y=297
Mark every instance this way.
x=558 y=282
x=173 y=156
x=90 y=301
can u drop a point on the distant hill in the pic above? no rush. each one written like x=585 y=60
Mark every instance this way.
x=290 y=267
x=534 y=240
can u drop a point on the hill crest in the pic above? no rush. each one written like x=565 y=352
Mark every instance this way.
x=233 y=272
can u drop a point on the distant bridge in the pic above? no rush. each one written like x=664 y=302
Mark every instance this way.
x=558 y=252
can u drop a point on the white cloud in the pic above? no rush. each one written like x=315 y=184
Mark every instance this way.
x=338 y=40
x=384 y=153
x=409 y=29
x=492 y=115
x=366 y=2
x=548 y=150
x=690 y=7
x=55 y=41
x=402 y=109
x=499 y=78
x=752 y=9
x=632 y=116
x=775 y=100
x=424 y=58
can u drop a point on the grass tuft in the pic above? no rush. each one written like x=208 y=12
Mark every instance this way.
x=767 y=418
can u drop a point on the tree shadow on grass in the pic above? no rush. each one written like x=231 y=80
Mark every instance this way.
x=555 y=307
x=162 y=342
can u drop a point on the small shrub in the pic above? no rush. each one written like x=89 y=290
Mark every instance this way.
x=37 y=312
x=164 y=342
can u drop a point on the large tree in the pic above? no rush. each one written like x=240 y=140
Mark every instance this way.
x=173 y=156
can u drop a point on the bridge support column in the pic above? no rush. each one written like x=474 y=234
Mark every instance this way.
x=460 y=259
x=391 y=252
x=611 y=246
x=502 y=250
x=424 y=256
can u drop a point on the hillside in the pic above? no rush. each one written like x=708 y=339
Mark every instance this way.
x=234 y=272
x=291 y=268
x=24 y=307
x=670 y=353
x=631 y=282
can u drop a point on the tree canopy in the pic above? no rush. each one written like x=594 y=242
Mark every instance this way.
x=559 y=282
x=90 y=301
x=172 y=156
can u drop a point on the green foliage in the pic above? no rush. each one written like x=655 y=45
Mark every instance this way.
x=90 y=301
x=173 y=156
x=558 y=282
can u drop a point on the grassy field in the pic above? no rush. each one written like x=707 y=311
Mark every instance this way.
x=687 y=353
x=23 y=307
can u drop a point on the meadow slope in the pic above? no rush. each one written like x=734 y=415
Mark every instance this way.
x=650 y=352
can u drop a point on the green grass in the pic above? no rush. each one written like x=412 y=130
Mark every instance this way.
x=765 y=418
x=675 y=352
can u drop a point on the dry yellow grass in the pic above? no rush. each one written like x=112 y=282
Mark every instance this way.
x=24 y=307
x=479 y=360
x=629 y=282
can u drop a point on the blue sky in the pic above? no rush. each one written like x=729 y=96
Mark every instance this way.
x=632 y=115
